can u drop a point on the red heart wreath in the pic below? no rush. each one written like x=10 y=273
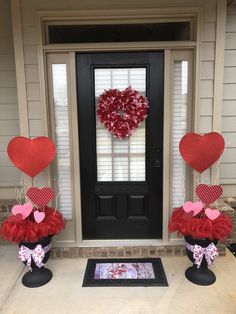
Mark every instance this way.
x=121 y=112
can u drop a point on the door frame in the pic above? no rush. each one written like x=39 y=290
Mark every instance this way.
x=75 y=225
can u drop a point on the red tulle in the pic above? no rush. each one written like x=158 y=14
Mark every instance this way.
x=200 y=226
x=30 y=231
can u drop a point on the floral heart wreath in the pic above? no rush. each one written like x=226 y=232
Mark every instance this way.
x=121 y=112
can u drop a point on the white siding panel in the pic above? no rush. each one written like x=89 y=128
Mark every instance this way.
x=230 y=74
x=228 y=165
x=8 y=95
x=209 y=32
x=231 y=10
x=4 y=140
x=8 y=112
x=228 y=171
x=230 y=139
x=229 y=108
x=31 y=56
x=10 y=176
x=209 y=12
x=6 y=45
x=5 y=19
x=230 y=23
x=206 y=105
x=29 y=36
x=207 y=70
x=205 y=124
x=230 y=40
x=7 y=62
x=4 y=160
x=229 y=155
x=33 y=91
x=229 y=91
x=206 y=90
x=230 y=58
x=9 y=127
x=34 y=110
x=208 y=51
x=229 y=124
x=35 y=128
x=7 y=78
x=32 y=73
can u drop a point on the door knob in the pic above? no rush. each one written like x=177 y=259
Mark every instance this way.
x=157 y=164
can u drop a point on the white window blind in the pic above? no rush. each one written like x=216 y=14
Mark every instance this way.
x=63 y=146
x=120 y=160
x=179 y=129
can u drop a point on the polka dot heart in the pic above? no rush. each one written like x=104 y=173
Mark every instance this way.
x=208 y=194
x=40 y=197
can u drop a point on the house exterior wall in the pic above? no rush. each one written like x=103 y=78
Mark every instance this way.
x=228 y=164
x=35 y=105
x=9 y=118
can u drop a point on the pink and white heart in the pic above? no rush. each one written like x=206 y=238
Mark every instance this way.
x=39 y=216
x=24 y=210
x=212 y=214
x=193 y=207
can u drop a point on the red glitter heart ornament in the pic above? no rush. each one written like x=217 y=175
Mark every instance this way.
x=31 y=155
x=40 y=197
x=201 y=151
x=208 y=194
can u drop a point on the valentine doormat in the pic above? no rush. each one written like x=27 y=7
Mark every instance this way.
x=124 y=272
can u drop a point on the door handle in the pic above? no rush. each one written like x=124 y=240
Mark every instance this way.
x=157 y=164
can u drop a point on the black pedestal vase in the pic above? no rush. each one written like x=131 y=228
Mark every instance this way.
x=200 y=276
x=39 y=276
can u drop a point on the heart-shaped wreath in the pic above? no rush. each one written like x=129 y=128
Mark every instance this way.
x=121 y=112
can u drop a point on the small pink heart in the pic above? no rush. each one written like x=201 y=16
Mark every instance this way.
x=212 y=213
x=193 y=207
x=39 y=216
x=24 y=210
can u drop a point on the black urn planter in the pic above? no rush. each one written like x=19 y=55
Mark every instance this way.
x=37 y=276
x=199 y=275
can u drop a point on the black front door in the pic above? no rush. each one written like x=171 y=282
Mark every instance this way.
x=121 y=180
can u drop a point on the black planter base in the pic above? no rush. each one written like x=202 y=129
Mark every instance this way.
x=200 y=276
x=37 y=278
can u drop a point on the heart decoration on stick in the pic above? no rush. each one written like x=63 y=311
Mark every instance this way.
x=208 y=194
x=40 y=197
x=212 y=214
x=201 y=151
x=193 y=207
x=24 y=210
x=31 y=155
x=39 y=216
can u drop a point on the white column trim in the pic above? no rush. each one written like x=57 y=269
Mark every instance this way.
x=218 y=77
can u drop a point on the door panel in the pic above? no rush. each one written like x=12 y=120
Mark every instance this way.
x=121 y=181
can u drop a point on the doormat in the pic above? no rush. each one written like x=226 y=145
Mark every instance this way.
x=124 y=272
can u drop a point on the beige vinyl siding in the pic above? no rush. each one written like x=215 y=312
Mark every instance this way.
x=9 y=119
x=228 y=164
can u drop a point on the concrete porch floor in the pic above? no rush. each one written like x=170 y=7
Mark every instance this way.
x=64 y=294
